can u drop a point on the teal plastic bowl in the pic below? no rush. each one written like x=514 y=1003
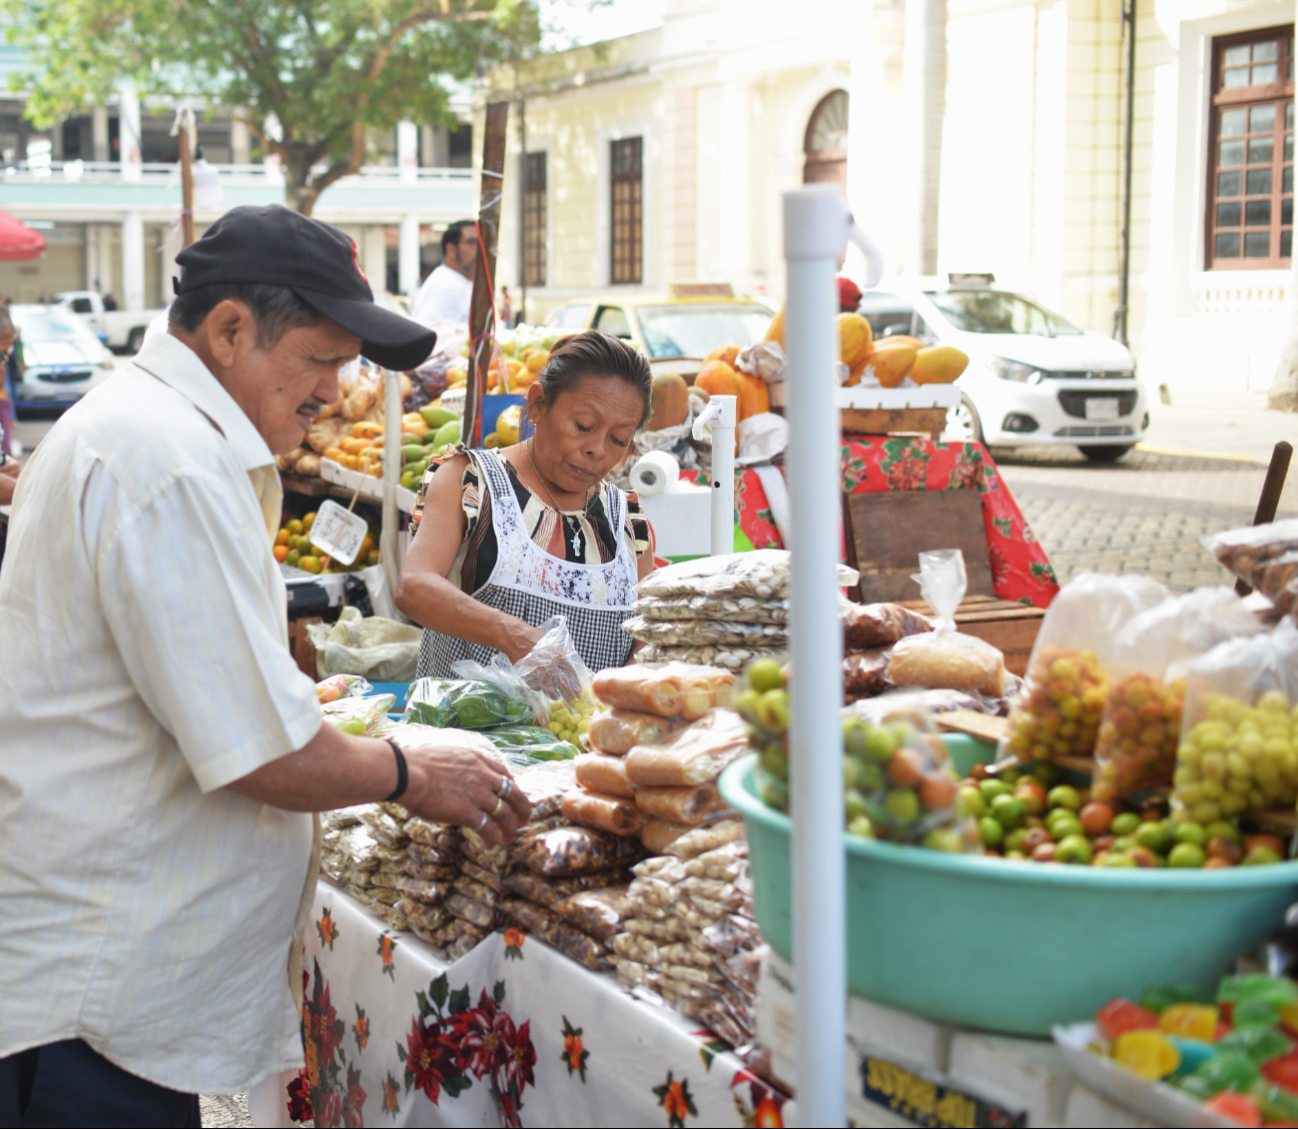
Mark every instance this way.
x=1013 y=946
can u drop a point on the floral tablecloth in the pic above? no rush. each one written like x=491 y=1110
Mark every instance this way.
x=511 y=1034
x=874 y=464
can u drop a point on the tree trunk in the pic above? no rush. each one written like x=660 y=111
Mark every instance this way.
x=299 y=193
x=1282 y=396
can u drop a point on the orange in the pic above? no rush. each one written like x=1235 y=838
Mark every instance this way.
x=281 y=538
x=310 y=564
x=309 y=520
x=296 y=526
x=281 y=552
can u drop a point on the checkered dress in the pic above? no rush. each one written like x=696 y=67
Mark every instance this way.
x=532 y=585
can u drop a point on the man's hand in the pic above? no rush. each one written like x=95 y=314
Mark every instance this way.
x=458 y=785
x=448 y=783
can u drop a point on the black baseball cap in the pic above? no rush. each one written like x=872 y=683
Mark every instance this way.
x=280 y=247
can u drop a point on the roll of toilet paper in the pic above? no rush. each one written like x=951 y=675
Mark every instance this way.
x=655 y=472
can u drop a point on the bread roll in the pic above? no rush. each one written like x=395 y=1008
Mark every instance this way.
x=614 y=814
x=948 y=660
x=694 y=755
x=680 y=805
x=618 y=731
x=599 y=773
x=658 y=834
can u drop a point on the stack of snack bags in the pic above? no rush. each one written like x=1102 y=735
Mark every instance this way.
x=724 y=611
x=691 y=935
x=363 y=850
x=657 y=752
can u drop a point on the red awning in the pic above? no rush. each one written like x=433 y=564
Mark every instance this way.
x=18 y=242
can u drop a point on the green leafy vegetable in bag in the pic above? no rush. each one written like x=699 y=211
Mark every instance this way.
x=463 y=705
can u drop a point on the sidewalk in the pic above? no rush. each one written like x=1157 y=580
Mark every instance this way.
x=1227 y=424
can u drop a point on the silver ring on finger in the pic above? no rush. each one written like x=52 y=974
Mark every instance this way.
x=506 y=787
x=481 y=825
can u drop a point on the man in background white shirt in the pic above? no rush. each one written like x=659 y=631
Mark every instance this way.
x=447 y=292
x=160 y=750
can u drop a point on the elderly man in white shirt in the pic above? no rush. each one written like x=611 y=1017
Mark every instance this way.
x=159 y=749
x=447 y=292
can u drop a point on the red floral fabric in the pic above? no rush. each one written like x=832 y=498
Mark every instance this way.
x=1021 y=571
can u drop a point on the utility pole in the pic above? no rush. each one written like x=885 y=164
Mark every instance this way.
x=1124 y=245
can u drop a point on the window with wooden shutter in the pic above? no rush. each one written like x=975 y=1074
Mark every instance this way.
x=1250 y=182
x=534 y=220
x=627 y=179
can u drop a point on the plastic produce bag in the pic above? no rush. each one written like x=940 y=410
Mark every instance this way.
x=945 y=659
x=1238 y=750
x=899 y=782
x=381 y=650
x=530 y=741
x=730 y=609
x=561 y=852
x=597 y=913
x=463 y=705
x=867 y=626
x=694 y=755
x=1060 y=706
x=599 y=772
x=865 y=674
x=553 y=667
x=342 y=686
x=358 y=716
x=1141 y=729
x=617 y=732
x=763 y=574
x=615 y=814
x=1265 y=556
x=674 y=690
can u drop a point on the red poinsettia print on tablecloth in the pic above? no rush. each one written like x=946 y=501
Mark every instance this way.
x=452 y=1044
x=329 y=1086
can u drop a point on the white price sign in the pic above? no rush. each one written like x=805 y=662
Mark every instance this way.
x=338 y=533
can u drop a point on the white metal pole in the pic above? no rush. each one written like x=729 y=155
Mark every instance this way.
x=392 y=447
x=816 y=222
x=721 y=413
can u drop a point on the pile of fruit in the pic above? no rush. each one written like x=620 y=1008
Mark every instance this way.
x=1235 y=1053
x=897 y=779
x=1137 y=743
x=293 y=547
x=570 y=721
x=524 y=352
x=1026 y=814
x=1238 y=758
x=1058 y=712
x=425 y=434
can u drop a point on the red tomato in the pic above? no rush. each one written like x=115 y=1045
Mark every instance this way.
x=1120 y=1015
x=1240 y=1108
x=1283 y=1071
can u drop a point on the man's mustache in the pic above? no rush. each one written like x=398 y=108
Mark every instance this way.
x=312 y=407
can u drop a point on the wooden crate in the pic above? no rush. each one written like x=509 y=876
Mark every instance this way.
x=1010 y=627
x=895 y=421
x=299 y=644
x=885 y=533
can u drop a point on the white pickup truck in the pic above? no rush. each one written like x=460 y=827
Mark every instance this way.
x=121 y=330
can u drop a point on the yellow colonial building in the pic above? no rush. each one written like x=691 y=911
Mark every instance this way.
x=969 y=135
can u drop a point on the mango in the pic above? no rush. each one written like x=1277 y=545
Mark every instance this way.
x=940 y=364
x=437 y=417
x=855 y=339
x=892 y=364
x=446 y=434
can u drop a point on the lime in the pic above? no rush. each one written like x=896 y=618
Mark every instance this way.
x=765 y=674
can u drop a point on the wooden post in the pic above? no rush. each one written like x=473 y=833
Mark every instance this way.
x=1269 y=501
x=482 y=308
x=186 y=182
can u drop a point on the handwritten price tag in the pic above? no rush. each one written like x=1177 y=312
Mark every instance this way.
x=337 y=533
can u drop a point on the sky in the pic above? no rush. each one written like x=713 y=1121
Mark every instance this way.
x=578 y=22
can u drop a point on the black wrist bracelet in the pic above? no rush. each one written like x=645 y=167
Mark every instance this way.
x=403 y=773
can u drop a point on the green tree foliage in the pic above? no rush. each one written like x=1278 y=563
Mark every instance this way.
x=326 y=69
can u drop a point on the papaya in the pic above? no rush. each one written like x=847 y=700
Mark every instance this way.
x=727 y=353
x=670 y=401
x=536 y=360
x=754 y=397
x=775 y=331
x=855 y=339
x=366 y=429
x=899 y=339
x=892 y=365
x=940 y=364
x=436 y=417
x=717 y=378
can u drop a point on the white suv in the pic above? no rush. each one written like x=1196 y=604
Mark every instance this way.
x=1033 y=377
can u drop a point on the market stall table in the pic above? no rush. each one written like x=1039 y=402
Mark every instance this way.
x=510 y=1034
x=872 y=464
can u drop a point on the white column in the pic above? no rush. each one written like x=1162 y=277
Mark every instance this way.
x=129 y=131
x=408 y=151
x=374 y=256
x=427 y=144
x=735 y=234
x=240 y=142
x=105 y=258
x=133 y=261
x=924 y=71
x=275 y=132
x=99 y=128
x=92 y=256
x=408 y=261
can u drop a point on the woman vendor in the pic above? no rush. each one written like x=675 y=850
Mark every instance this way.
x=506 y=539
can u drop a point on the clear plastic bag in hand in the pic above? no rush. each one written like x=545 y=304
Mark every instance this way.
x=1141 y=729
x=553 y=667
x=1058 y=711
x=1239 y=734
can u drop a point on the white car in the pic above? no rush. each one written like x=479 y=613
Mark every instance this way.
x=1033 y=378
x=60 y=359
x=121 y=330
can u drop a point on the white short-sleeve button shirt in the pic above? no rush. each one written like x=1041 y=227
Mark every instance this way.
x=144 y=907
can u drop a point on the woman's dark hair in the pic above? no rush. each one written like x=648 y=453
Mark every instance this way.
x=596 y=354
x=276 y=309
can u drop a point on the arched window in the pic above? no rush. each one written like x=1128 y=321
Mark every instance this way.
x=825 y=145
